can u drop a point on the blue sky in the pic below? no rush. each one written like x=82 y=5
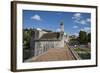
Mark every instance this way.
x=50 y=20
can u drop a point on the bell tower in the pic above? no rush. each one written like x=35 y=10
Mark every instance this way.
x=62 y=26
x=61 y=29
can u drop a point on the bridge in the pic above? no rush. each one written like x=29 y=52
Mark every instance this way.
x=73 y=53
x=56 y=54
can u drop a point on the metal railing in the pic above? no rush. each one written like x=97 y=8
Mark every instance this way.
x=74 y=53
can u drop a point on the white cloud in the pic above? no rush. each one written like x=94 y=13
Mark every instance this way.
x=76 y=34
x=77 y=18
x=39 y=29
x=58 y=30
x=88 y=20
x=36 y=17
x=82 y=22
x=75 y=26
x=87 y=29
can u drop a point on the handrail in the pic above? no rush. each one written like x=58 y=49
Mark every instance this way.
x=75 y=54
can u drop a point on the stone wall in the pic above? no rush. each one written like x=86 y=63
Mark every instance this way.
x=43 y=46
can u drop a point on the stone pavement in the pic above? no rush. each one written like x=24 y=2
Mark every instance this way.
x=53 y=54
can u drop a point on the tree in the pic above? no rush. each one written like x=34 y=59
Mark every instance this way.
x=26 y=38
x=83 y=39
x=89 y=37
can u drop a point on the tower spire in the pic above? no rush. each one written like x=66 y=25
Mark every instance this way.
x=61 y=29
x=62 y=26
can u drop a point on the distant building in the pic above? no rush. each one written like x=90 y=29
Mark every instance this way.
x=42 y=40
x=73 y=37
x=66 y=38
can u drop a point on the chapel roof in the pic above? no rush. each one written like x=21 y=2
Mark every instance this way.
x=50 y=36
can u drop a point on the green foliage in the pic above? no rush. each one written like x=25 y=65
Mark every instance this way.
x=79 y=49
x=26 y=43
x=26 y=38
x=83 y=38
x=89 y=37
x=73 y=39
x=85 y=55
x=84 y=49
